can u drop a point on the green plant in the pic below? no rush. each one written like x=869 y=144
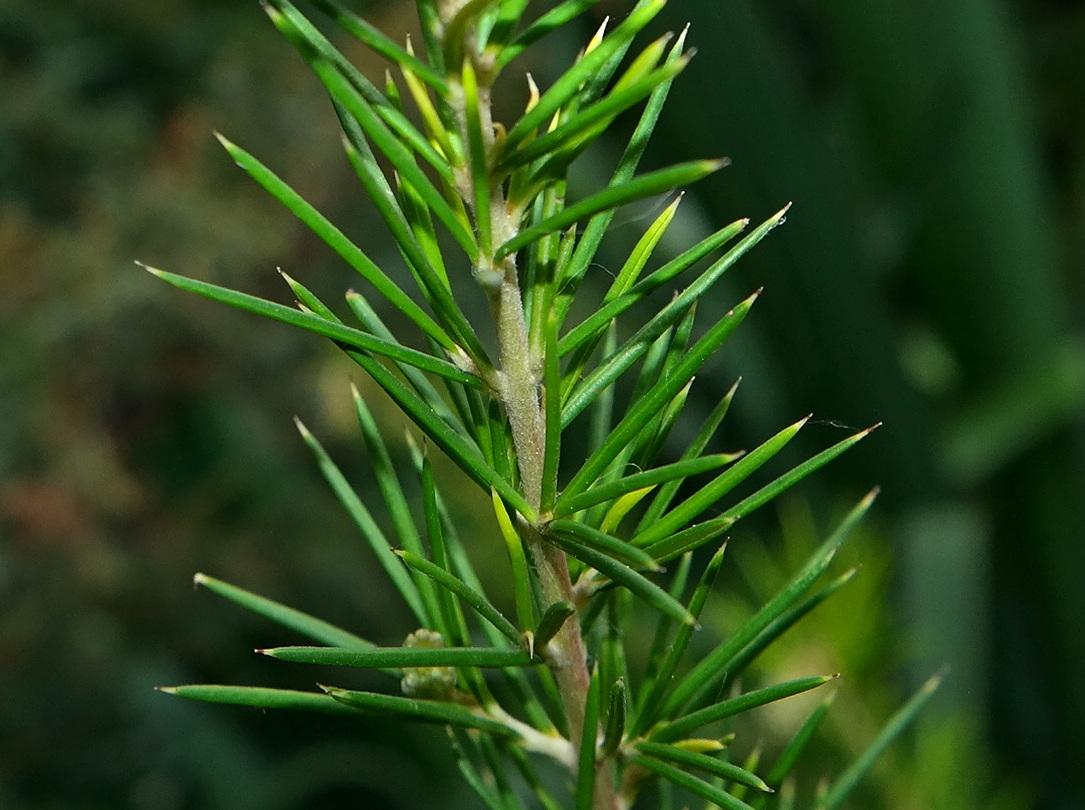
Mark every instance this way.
x=472 y=202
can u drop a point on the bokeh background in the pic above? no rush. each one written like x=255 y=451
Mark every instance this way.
x=931 y=276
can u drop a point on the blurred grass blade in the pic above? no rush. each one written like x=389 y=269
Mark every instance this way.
x=612 y=197
x=401 y=657
x=847 y=781
x=703 y=762
x=711 y=492
x=427 y=711
x=457 y=586
x=678 y=471
x=303 y=623
x=338 y=332
x=776 y=628
x=382 y=549
x=690 y=782
x=262 y=698
x=790 y=755
x=728 y=708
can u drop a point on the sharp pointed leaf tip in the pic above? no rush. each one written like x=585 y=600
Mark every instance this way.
x=169 y=690
x=199 y=579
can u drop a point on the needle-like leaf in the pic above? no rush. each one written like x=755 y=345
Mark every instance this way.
x=310 y=626
x=400 y=657
x=426 y=711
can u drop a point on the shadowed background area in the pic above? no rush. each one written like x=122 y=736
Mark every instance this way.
x=931 y=276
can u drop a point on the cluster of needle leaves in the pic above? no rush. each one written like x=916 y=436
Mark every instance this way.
x=471 y=201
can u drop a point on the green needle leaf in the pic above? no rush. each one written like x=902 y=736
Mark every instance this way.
x=679 y=728
x=711 y=493
x=586 y=771
x=338 y=332
x=790 y=755
x=552 y=20
x=622 y=574
x=703 y=762
x=261 y=698
x=646 y=409
x=455 y=585
x=401 y=657
x=467 y=457
x=570 y=83
x=581 y=534
x=653 y=689
x=785 y=482
x=678 y=471
x=647 y=185
x=336 y=240
x=381 y=43
x=690 y=782
x=714 y=667
x=316 y=629
x=426 y=711
x=372 y=533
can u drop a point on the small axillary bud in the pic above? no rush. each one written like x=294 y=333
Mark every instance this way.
x=489 y=277
x=430 y=683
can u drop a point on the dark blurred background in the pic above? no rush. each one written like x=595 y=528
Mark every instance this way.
x=931 y=275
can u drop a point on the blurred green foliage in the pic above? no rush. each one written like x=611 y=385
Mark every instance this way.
x=936 y=157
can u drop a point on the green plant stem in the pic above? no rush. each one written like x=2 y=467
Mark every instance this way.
x=518 y=388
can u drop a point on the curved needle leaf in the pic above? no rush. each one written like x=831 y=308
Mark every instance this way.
x=647 y=185
x=401 y=657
